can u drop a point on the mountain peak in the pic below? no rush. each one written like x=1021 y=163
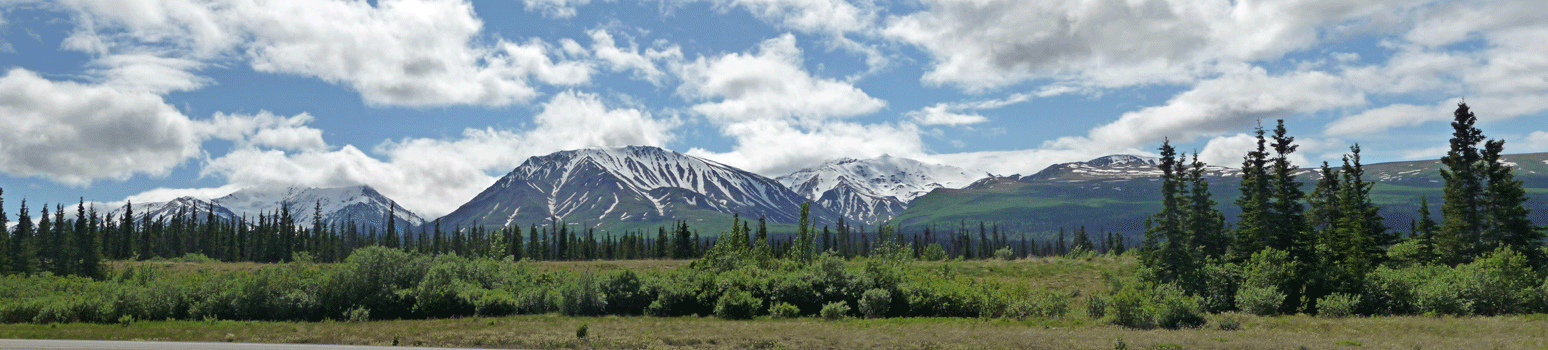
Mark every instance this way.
x=869 y=190
x=1122 y=159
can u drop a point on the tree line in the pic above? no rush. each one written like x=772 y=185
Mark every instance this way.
x=1289 y=249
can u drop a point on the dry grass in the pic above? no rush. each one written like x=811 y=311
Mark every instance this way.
x=552 y=331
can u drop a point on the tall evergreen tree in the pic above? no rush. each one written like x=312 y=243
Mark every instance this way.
x=1360 y=232
x=1253 y=224
x=1082 y=241
x=1168 y=249
x=24 y=258
x=5 y=237
x=1462 y=213
x=1506 y=215
x=1205 y=223
x=1287 y=228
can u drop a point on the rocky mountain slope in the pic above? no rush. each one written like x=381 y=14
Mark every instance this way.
x=877 y=189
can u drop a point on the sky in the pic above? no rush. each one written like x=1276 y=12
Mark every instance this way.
x=431 y=101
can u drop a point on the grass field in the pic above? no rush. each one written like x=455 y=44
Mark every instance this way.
x=1075 y=331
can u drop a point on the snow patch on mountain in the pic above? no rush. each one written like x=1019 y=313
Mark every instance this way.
x=876 y=189
x=361 y=204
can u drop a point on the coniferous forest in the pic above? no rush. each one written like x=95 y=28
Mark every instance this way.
x=1320 y=250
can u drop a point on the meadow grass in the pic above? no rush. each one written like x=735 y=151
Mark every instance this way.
x=1074 y=331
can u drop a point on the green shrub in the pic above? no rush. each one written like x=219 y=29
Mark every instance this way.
x=1259 y=300
x=581 y=297
x=1499 y=283
x=1441 y=295
x=1130 y=307
x=875 y=303
x=625 y=293
x=737 y=305
x=933 y=252
x=1337 y=305
x=1220 y=282
x=358 y=314
x=784 y=310
x=582 y=331
x=1044 y=303
x=834 y=311
x=1229 y=323
x=1174 y=309
x=1004 y=254
x=1096 y=306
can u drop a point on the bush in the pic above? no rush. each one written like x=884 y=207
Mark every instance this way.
x=1441 y=296
x=933 y=252
x=1130 y=307
x=1337 y=305
x=1260 y=301
x=784 y=310
x=875 y=303
x=581 y=297
x=1004 y=254
x=582 y=331
x=1096 y=306
x=358 y=314
x=1174 y=309
x=624 y=293
x=1229 y=323
x=834 y=311
x=1044 y=303
x=737 y=305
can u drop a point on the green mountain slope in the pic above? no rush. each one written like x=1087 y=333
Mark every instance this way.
x=1118 y=197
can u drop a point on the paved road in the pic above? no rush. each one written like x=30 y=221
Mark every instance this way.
x=27 y=344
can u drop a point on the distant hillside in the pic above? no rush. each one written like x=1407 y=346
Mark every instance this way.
x=1116 y=193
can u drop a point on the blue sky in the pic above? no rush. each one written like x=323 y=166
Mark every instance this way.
x=430 y=101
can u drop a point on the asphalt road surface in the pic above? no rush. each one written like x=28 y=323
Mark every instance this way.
x=27 y=344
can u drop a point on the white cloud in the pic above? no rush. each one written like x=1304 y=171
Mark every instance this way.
x=555 y=8
x=1537 y=141
x=74 y=133
x=938 y=115
x=1229 y=103
x=775 y=147
x=770 y=84
x=433 y=176
x=399 y=52
x=980 y=45
x=267 y=130
x=1380 y=119
x=617 y=59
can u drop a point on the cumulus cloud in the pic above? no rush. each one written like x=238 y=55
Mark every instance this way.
x=938 y=115
x=433 y=176
x=399 y=52
x=1230 y=103
x=981 y=45
x=605 y=49
x=555 y=8
x=74 y=133
x=267 y=130
x=777 y=147
x=1537 y=140
x=769 y=84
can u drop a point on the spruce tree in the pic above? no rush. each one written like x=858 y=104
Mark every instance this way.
x=24 y=258
x=1082 y=241
x=1361 y=229
x=1252 y=225
x=1424 y=231
x=1170 y=252
x=5 y=237
x=1506 y=219
x=1287 y=228
x=1462 y=213
x=1205 y=223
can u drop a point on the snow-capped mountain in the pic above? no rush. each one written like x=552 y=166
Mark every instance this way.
x=188 y=206
x=635 y=184
x=1114 y=167
x=340 y=205
x=876 y=189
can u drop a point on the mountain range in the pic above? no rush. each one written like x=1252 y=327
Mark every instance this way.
x=642 y=188
x=361 y=205
x=630 y=188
